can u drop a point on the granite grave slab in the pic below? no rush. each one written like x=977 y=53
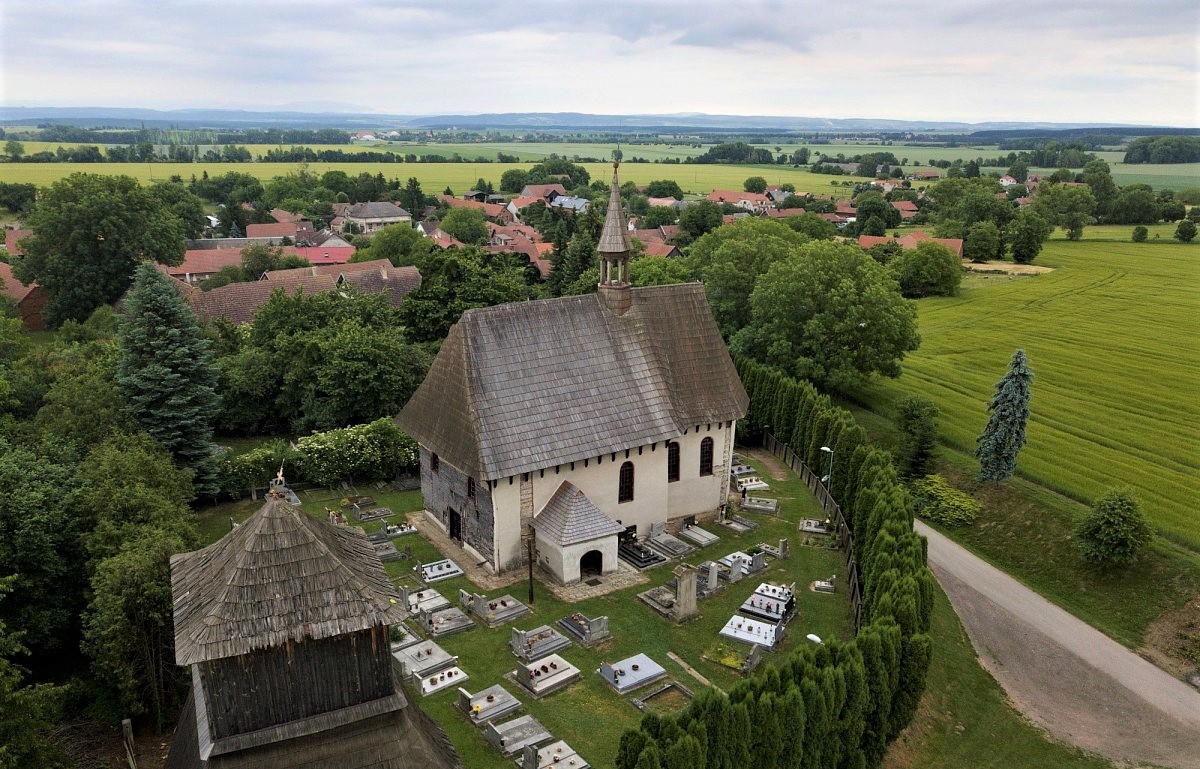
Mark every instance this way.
x=813 y=526
x=556 y=755
x=546 y=676
x=444 y=622
x=530 y=645
x=493 y=612
x=426 y=599
x=773 y=603
x=752 y=631
x=386 y=550
x=698 y=536
x=761 y=505
x=443 y=679
x=436 y=571
x=587 y=632
x=631 y=673
x=402 y=636
x=512 y=736
x=423 y=659
x=492 y=703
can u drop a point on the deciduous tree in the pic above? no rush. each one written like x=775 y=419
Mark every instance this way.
x=1026 y=234
x=89 y=232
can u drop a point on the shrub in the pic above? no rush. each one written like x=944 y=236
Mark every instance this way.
x=938 y=501
x=1186 y=231
x=257 y=466
x=1139 y=234
x=1114 y=532
x=367 y=452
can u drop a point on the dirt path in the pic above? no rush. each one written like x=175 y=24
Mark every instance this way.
x=1064 y=675
x=769 y=461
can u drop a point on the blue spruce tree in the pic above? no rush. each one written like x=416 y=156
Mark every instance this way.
x=165 y=373
x=1004 y=435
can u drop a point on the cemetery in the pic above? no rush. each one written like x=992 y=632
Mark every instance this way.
x=450 y=672
x=668 y=545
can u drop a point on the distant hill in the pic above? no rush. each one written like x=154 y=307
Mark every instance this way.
x=122 y=117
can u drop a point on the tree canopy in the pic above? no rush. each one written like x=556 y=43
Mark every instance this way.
x=831 y=314
x=89 y=232
x=1004 y=435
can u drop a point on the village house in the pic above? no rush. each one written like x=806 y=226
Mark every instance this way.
x=30 y=300
x=490 y=210
x=751 y=201
x=626 y=397
x=911 y=241
x=570 y=203
x=284 y=624
x=368 y=217
x=546 y=192
x=199 y=264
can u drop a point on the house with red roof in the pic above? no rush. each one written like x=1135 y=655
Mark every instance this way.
x=546 y=192
x=275 y=229
x=907 y=208
x=751 y=201
x=29 y=299
x=12 y=240
x=911 y=241
x=490 y=210
x=279 y=215
x=202 y=263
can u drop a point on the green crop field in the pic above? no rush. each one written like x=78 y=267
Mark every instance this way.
x=1111 y=337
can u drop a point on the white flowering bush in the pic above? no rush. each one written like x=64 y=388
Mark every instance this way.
x=369 y=452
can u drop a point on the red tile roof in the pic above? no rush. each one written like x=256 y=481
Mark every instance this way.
x=237 y=302
x=911 y=240
x=661 y=249
x=653 y=235
x=279 y=215
x=206 y=261
x=272 y=230
x=904 y=205
x=488 y=209
x=327 y=269
x=13 y=288
x=12 y=237
x=524 y=200
x=734 y=197
x=541 y=191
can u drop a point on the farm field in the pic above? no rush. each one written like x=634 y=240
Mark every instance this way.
x=434 y=177
x=588 y=714
x=1110 y=335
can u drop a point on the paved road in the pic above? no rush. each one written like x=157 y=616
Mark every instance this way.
x=1072 y=680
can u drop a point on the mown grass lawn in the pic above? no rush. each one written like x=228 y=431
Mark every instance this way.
x=1111 y=337
x=965 y=720
x=588 y=714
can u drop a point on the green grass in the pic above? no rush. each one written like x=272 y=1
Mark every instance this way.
x=965 y=719
x=588 y=714
x=1110 y=335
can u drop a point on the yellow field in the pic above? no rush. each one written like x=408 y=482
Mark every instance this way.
x=434 y=177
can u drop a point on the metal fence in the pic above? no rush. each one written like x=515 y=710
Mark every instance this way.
x=833 y=512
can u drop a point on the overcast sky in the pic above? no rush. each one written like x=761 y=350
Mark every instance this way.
x=967 y=60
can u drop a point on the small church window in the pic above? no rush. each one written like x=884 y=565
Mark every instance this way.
x=672 y=462
x=434 y=462
x=471 y=485
x=706 y=456
x=625 y=486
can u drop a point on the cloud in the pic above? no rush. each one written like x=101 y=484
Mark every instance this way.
x=967 y=60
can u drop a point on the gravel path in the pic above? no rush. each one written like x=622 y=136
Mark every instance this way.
x=1064 y=675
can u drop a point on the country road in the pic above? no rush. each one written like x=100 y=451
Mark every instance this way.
x=1064 y=675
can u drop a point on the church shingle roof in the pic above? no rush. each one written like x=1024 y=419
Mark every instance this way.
x=530 y=385
x=570 y=517
x=281 y=576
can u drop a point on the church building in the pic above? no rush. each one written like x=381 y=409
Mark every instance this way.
x=578 y=420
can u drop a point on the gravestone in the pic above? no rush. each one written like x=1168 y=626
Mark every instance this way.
x=423 y=659
x=772 y=603
x=433 y=683
x=399 y=529
x=761 y=505
x=512 y=736
x=813 y=526
x=436 y=571
x=530 y=645
x=825 y=585
x=426 y=599
x=698 y=536
x=752 y=660
x=545 y=676
x=758 y=562
x=494 y=612
x=556 y=755
x=713 y=577
x=685 y=593
x=588 y=632
x=386 y=550
x=752 y=631
x=402 y=636
x=444 y=621
x=631 y=673
x=488 y=705
x=737 y=568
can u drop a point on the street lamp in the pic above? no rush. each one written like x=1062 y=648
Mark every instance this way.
x=828 y=475
x=825 y=480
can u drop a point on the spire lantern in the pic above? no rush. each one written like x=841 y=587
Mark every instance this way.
x=614 y=252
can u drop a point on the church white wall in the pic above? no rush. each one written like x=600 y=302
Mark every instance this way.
x=654 y=499
x=563 y=562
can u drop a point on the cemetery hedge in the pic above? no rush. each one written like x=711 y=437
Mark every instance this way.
x=831 y=704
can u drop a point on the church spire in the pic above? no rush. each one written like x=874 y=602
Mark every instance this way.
x=614 y=252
